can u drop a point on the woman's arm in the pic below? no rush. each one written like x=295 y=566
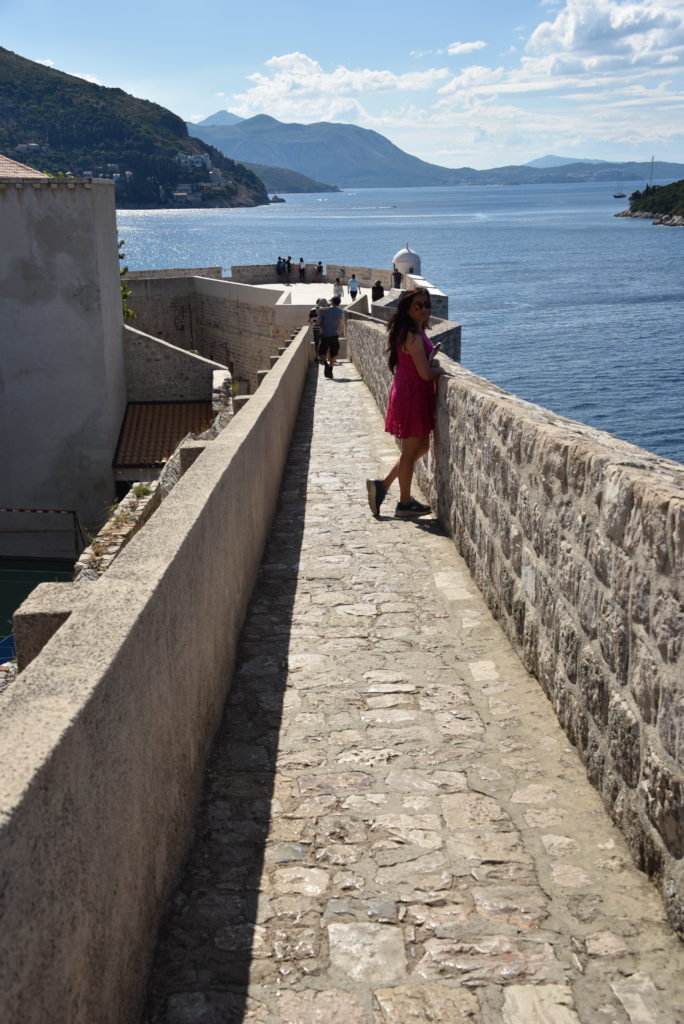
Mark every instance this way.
x=414 y=347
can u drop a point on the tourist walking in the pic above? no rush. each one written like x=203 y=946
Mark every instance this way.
x=396 y=276
x=411 y=405
x=353 y=286
x=377 y=291
x=301 y=267
x=329 y=318
x=338 y=288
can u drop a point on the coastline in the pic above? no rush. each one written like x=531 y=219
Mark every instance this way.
x=669 y=220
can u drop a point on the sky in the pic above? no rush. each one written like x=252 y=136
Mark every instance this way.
x=478 y=83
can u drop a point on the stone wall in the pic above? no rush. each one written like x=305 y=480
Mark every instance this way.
x=576 y=540
x=238 y=325
x=136 y=275
x=157 y=371
x=163 y=308
x=243 y=326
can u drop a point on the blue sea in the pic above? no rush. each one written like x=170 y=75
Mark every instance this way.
x=560 y=302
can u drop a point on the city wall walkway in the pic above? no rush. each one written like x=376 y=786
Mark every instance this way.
x=394 y=828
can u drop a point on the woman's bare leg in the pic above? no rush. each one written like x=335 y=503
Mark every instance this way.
x=412 y=449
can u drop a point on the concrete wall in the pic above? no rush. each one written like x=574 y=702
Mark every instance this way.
x=576 y=540
x=159 y=372
x=103 y=738
x=62 y=384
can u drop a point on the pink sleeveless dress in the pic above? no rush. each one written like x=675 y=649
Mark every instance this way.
x=411 y=404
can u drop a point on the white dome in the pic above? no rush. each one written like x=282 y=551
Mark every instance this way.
x=407 y=261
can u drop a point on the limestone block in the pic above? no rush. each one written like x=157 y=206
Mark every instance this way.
x=554 y=461
x=653 y=534
x=568 y=642
x=668 y=625
x=416 y=1004
x=677 y=535
x=640 y=604
x=189 y=452
x=367 y=952
x=671 y=721
x=588 y=602
x=616 y=504
x=568 y=571
x=539 y=1004
x=593 y=685
x=624 y=739
x=576 y=470
x=39 y=617
x=663 y=790
x=645 y=682
x=613 y=636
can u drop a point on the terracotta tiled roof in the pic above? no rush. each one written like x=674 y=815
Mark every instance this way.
x=151 y=430
x=11 y=169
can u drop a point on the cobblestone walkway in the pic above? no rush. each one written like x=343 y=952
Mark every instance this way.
x=394 y=828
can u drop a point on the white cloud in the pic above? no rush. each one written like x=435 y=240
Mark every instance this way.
x=456 y=48
x=295 y=83
x=608 y=33
x=594 y=72
x=472 y=78
x=47 y=63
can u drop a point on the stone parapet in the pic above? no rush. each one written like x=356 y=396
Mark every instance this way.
x=104 y=736
x=576 y=540
x=137 y=275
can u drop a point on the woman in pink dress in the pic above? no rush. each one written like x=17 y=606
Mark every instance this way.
x=411 y=405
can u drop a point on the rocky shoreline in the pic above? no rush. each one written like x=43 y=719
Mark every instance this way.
x=669 y=220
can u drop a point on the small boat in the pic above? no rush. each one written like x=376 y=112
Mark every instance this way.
x=619 y=193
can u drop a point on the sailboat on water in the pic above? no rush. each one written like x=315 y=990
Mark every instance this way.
x=619 y=192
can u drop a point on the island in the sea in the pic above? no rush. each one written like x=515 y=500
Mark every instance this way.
x=663 y=204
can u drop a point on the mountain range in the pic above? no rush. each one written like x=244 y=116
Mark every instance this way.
x=62 y=124
x=353 y=157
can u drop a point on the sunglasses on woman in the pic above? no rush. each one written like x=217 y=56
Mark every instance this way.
x=423 y=305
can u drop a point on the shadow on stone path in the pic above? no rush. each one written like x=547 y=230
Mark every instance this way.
x=394 y=828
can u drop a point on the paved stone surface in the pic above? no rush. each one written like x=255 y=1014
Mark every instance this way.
x=394 y=827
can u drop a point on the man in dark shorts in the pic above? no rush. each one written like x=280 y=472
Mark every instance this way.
x=329 y=318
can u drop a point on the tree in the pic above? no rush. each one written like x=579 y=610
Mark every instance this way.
x=128 y=314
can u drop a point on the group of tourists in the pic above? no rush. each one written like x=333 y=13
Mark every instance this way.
x=284 y=268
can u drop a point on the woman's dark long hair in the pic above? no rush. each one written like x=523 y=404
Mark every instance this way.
x=401 y=324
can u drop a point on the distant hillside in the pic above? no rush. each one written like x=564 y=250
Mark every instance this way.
x=58 y=123
x=353 y=157
x=342 y=154
x=222 y=117
x=658 y=201
x=560 y=161
x=280 y=179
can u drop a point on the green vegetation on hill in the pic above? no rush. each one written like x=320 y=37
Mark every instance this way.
x=660 y=200
x=280 y=179
x=73 y=127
